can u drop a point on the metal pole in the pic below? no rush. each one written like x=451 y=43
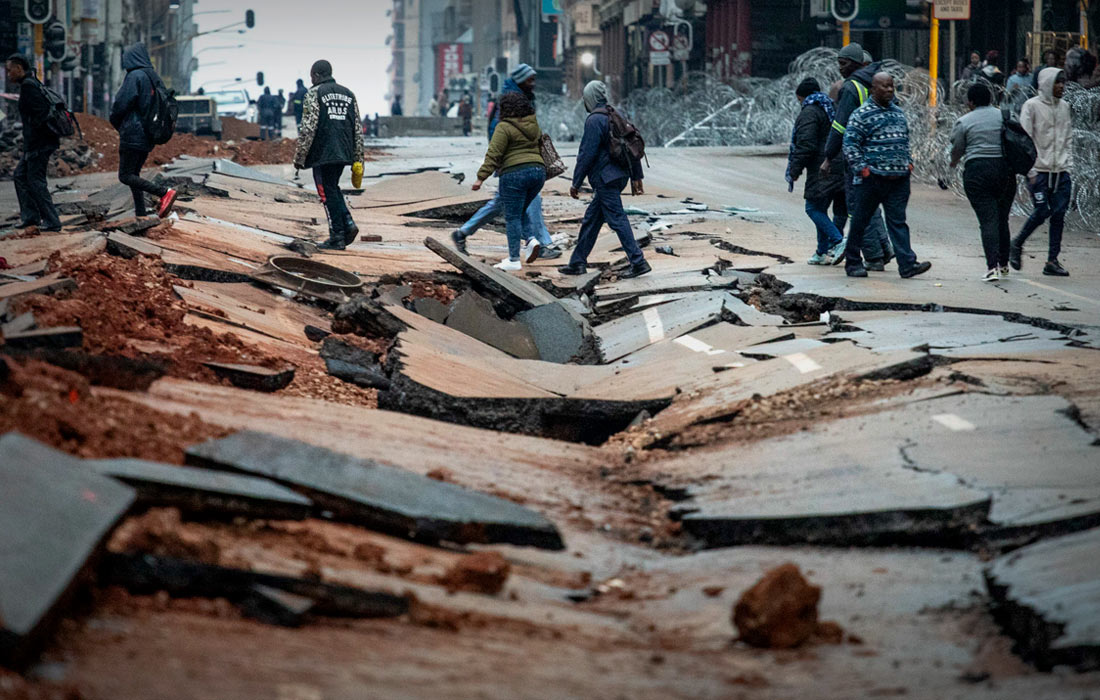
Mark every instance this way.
x=934 y=61
x=953 y=58
x=846 y=29
x=1085 y=24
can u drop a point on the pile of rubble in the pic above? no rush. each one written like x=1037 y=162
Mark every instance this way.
x=74 y=156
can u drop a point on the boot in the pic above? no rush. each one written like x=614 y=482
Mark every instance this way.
x=351 y=230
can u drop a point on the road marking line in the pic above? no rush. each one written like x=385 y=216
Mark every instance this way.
x=802 y=362
x=954 y=422
x=696 y=345
x=1047 y=287
x=653 y=325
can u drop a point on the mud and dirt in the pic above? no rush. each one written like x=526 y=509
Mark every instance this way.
x=779 y=611
x=480 y=572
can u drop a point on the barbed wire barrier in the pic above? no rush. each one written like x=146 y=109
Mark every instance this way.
x=758 y=111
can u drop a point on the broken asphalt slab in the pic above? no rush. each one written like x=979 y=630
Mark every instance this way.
x=353 y=364
x=631 y=333
x=560 y=334
x=473 y=315
x=54 y=515
x=377 y=495
x=509 y=291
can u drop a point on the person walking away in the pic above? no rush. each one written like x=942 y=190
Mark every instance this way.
x=330 y=139
x=131 y=105
x=39 y=142
x=266 y=106
x=1049 y=122
x=280 y=109
x=858 y=72
x=811 y=131
x=466 y=112
x=514 y=152
x=522 y=82
x=876 y=145
x=989 y=182
x=395 y=108
x=607 y=178
x=297 y=102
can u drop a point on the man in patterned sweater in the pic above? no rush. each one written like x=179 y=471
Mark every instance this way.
x=876 y=145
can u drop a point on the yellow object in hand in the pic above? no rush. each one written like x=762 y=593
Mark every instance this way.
x=356 y=175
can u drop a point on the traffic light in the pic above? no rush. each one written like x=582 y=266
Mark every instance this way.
x=249 y=19
x=260 y=78
x=37 y=11
x=845 y=10
x=55 y=35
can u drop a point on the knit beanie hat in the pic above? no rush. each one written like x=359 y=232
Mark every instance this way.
x=521 y=73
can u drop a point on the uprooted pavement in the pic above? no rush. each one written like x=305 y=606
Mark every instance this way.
x=223 y=432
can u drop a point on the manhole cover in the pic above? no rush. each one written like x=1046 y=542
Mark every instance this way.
x=309 y=277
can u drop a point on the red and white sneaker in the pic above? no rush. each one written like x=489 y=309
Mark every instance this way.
x=166 y=203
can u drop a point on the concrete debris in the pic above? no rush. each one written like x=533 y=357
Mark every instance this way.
x=560 y=333
x=45 y=338
x=353 y=364
x=128 y=246
x=509 y=293
x=473 y=315
x=366 y=316
x=779 y=611
x=275 y=607
x=253 y=376
x=316 y=334
x=433 y=309
x=49 y=284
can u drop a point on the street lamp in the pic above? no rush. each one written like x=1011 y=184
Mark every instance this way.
x=588 y=60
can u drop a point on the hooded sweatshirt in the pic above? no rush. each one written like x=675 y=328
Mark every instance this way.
x=134 y=99
x=515 y=143
x=855 y=91
x=1049 y=122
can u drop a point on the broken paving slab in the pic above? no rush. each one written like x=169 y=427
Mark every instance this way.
x=204 y=491
x=473 y=315
x=1047 y=598
x=767 y=351
x=54 y=516
x=631 y=333
x=561 y=334
x=380 y=496
x=44 y=338
x=253 y=377
x=127 y=246
x=664 y=283
x=49 y=284
x=509 y=291
x=750 y=315
x=353 y=364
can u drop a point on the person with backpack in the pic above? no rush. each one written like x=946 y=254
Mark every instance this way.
x=39 y=142
x=608 y=163
x=330 y=139
x=1047 y=119
x=989 y=182
x=135 y=105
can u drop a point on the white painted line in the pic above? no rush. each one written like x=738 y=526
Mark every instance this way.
x=802 y=362
x=696 y=345
x=734 y=365
x=1063 y=292
x=653 y=325
x=954 y=422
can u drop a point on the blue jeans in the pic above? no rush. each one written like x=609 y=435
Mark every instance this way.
x=518 y=188
x=1050 y=203
x=493 y=208
x=892 y=194
x=606 y=206
x=827 y=233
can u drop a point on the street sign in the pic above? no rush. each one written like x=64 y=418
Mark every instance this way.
x=887 y=14
x=681 y=47
x=37 y=11
x=659 y=44
x=952 y=9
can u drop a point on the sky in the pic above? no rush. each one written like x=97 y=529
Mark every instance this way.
x=289 y=36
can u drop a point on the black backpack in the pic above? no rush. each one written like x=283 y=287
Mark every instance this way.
x=59 y=120
x=1019 y=149
x=160 y=120
x=626 y=142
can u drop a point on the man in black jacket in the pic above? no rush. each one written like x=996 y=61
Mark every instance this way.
x=811 y=130
x=35 y=204
x=298 y=101
x=329 y=139
x=858 y=75
x=132 y=104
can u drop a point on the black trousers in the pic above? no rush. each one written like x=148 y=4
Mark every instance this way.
x=130 y=162
x=327 y=179
x=35 y=203
x=991 y=187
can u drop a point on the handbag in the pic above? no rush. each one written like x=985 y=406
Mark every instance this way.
x=550 y=157
x=1019 y=149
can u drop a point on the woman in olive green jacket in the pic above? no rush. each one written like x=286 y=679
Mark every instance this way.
x=514 y=152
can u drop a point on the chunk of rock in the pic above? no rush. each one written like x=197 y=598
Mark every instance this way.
x=779 y=611
x=480 y=572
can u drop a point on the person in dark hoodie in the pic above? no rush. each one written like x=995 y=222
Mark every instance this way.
x=297 y=101
x=608 y=179
x=266 y=106
x=132 y=103
x=329 y=140
x=811 y=130
x=35 y=204
x=855 y=91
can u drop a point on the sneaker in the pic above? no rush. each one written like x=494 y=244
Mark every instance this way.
x=818 y=259
x=573 y=269
x=1015 y=256
x=166 y=203
x=1053 y=268
x=856 y=271
x=459 y=240
x=636 y=271
x=837 y=251
x=509 y=265
x=1004 y=271
x=993 y=275
x=550 y=252
x=918 y=269
x=874 y=266
x=530 y=251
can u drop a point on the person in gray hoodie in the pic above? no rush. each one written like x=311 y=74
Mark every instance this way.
x=1048 y=120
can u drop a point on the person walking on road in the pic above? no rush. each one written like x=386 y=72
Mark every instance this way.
x=989 y=183
x=466 y=113
x=540 y=246
x=876 y=145
x=298 y=101
x=267 y=105
x=395 y=108
x=280 y=108
x=858 y=72
x=1049 y=122
x=811 y=130
x=131 y=106
x=607 y=178
x=514 y=152
x=35 y=203
x=329 y=140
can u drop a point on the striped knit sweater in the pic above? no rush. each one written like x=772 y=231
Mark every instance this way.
x=878 y=139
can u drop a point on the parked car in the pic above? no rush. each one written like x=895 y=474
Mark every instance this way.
x=235 y=103
x=198 y=114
